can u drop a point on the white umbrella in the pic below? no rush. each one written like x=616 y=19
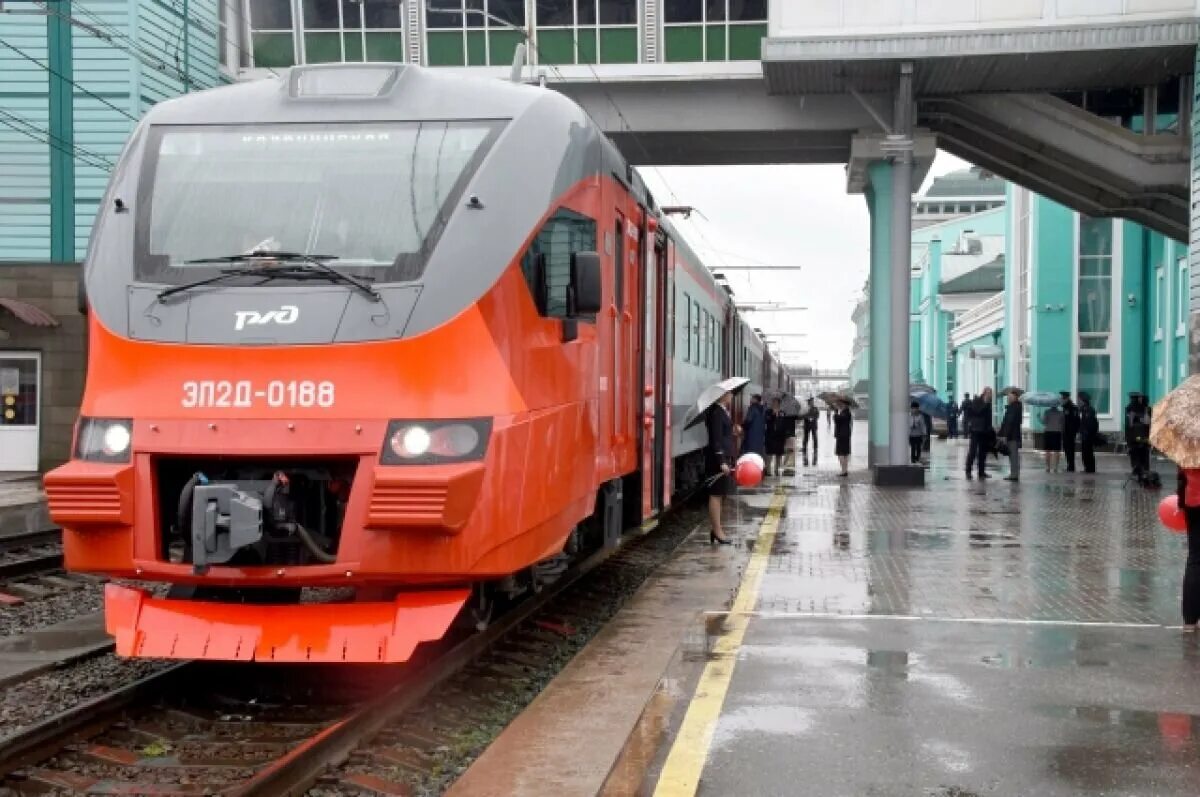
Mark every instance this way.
x=709 y=396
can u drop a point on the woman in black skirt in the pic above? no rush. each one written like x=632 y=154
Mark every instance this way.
x=718 y=459
x=843 y=427
x=1189 y=502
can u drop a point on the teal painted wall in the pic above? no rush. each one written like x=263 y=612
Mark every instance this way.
x=1136 y=318
x=116 y=81
x=1054 y=286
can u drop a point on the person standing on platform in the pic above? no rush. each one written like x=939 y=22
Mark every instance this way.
x=1188 y=486
x=1053 y=423
x=916 y=433
x=718 y=459
x=965 y=410
x=811 y=419
x=843 y=428
x=1137 y=433
x=1070 y=429
x=1089 y=429
x=776 y=439
x=982 y=432
x=791 y=414
x=1010 y=433
x=952 y=419
x=754 y=426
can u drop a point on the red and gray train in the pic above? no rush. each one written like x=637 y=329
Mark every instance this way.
x=414 y=336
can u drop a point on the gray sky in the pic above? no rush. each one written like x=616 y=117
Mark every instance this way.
x=783 y=215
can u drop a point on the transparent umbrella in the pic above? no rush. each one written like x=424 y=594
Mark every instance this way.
x=709 y=396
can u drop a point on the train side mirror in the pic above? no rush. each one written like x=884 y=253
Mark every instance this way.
x=587 y=284
x=81 y=297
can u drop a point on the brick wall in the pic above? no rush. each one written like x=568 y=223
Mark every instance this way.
x=51 y=287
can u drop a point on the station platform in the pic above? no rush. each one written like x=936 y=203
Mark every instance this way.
x=22 y=504
x=966 y=638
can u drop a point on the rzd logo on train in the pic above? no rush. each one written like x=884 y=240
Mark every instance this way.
x=284 y=315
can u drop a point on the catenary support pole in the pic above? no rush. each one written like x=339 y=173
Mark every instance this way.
x=900 y=144
x=62 y=133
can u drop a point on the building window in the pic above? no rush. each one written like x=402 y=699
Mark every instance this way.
x=1094 y=311
x=586 y=31
x=331 y=31
x=230 y=27
x=1182 y=303
x=714 y=30
x=547 y=262
x=1160 y=304
x=271 y=36
x=473 y=32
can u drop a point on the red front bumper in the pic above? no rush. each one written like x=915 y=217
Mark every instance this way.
x=334 y=632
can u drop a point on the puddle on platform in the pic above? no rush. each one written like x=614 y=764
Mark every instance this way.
x=1173 y=725
x=892 y=662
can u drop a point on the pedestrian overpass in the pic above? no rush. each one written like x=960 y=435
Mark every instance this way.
x=1087 y=102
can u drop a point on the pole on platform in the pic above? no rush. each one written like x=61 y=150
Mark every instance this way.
x=900 y=144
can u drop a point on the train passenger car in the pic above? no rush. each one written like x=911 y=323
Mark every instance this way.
x=376 y=328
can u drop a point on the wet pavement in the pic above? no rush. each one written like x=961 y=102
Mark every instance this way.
x=967 y=638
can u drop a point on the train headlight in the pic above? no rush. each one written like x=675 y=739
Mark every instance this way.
x=432 y=442
x=104 y=439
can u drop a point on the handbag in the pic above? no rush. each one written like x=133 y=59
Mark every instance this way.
x=1099 y=440
x=1002 y=447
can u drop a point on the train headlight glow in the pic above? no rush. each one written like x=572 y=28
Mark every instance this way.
x=435 y=442
x=411 y=442
x=116 y=439
x=104 y=439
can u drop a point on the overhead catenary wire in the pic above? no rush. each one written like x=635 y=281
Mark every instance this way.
x=33 y=131
x=60 y=76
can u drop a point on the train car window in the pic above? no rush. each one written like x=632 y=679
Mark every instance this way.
x=547 y=262
x=619 y=262
x=706 y=340
x=687 y=328
x=696 y=331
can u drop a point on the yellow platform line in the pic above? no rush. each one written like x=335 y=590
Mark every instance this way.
x=685 y=762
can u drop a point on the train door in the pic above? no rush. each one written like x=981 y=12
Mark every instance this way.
x=656 y=323
x=618 y=314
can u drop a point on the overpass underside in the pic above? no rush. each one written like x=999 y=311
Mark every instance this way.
x=994 y=97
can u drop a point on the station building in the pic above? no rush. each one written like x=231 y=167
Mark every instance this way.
x=993 y=305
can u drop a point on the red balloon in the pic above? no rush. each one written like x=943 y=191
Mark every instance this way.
x=748 y=473
x=1171 y=515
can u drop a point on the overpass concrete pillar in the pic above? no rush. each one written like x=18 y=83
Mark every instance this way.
x=878 y=191
x=888 y=186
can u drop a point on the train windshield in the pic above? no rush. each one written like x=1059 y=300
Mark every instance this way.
x=375 y=196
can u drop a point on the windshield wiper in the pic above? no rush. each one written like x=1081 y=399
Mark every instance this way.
x=308 y=267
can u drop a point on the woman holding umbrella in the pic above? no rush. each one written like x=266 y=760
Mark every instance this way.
x=1175 y=431
x=713 y=408
x=843 y=428
x=718 y=456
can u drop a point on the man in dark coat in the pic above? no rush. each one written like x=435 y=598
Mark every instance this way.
x=982 y=432
x=1137 y=433
x=1070 y=429
x=952 y=419
x=754 y=426
x=811 y=419
x=965 y=410
x=1089 y=428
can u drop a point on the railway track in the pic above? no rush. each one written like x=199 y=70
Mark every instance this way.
x=32 y=552
x=205 y=728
